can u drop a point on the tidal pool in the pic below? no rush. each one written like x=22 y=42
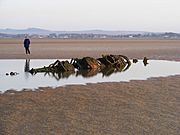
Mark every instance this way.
x=24 y=80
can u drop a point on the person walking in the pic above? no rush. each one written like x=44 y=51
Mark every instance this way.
x=26 y=45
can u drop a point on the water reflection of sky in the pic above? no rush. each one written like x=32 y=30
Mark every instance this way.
x=138 y=71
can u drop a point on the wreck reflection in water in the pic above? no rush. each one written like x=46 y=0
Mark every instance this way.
x=84 y=73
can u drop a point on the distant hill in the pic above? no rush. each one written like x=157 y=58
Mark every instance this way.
x=46 y=32
x=26 y=31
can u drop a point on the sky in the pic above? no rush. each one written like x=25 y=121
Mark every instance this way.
x=131 y=15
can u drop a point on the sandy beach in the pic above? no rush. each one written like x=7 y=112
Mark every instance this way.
x=124 y=108
x=59 y=49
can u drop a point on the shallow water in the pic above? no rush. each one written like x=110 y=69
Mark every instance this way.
x=155 y=68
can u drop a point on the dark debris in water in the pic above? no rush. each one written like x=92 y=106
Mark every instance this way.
x=12 y=74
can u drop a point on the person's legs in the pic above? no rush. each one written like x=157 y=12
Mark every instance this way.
x=28 y=50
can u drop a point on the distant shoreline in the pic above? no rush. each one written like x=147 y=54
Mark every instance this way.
x=86 y=34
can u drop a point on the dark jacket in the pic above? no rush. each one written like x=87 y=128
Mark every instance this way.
x=26 y=42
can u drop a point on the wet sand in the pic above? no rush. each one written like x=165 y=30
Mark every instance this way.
x=137 y=107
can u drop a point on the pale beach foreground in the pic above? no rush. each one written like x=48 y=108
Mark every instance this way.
x=137 y=107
